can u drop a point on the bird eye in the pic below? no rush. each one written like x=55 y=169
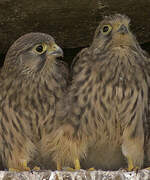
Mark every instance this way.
x=106 y=29
x=40 y=48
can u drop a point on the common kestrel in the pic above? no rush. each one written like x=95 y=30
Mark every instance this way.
x=32 y=81
x=102 y=115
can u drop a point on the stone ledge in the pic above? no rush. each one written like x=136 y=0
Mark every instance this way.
x=78 y=175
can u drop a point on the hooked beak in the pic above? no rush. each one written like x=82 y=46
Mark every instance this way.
x=123 y=29
x=55 y=50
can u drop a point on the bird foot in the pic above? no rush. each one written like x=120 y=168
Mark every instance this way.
x=91 y=169
x=71 y=169
x=129 y=169
x=36 y=168
x=76 y=163
x=19 y=169
x=133 y=169
x=23 y=167
x=131 y=166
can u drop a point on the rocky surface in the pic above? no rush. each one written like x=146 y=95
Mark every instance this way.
x=78 y=175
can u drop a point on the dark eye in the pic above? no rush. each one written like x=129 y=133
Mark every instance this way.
x=39 y=48
x=105 y=28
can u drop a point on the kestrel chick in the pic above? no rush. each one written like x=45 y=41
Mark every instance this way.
x=106 y=104
x=32 y=81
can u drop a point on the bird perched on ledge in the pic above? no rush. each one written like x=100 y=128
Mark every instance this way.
x=31 y=82
x=101 y=119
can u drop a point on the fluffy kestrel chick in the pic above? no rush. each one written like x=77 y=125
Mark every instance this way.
x=105 y=108
x=31 y=82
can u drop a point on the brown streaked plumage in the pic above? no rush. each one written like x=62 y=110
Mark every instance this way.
x=147 y=129
x=102 y=117
x=32 y=80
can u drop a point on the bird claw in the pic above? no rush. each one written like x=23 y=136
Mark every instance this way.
x=131 y=166
x=91 y=169
x=13 y=170
x=76 y=163
x=71 y=169
x=23 y=167
x=36 y=168
x=20 y=169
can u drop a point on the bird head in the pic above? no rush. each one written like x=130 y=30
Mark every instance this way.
x=114 y=32
x=32 y=53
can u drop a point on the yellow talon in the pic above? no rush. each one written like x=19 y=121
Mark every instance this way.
x=69 y=169
x=91 y=169
x=13 y=169
x=59 y=166
x=23 y=167
x=36 y=168
x=77 y=164
x=130 y=165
